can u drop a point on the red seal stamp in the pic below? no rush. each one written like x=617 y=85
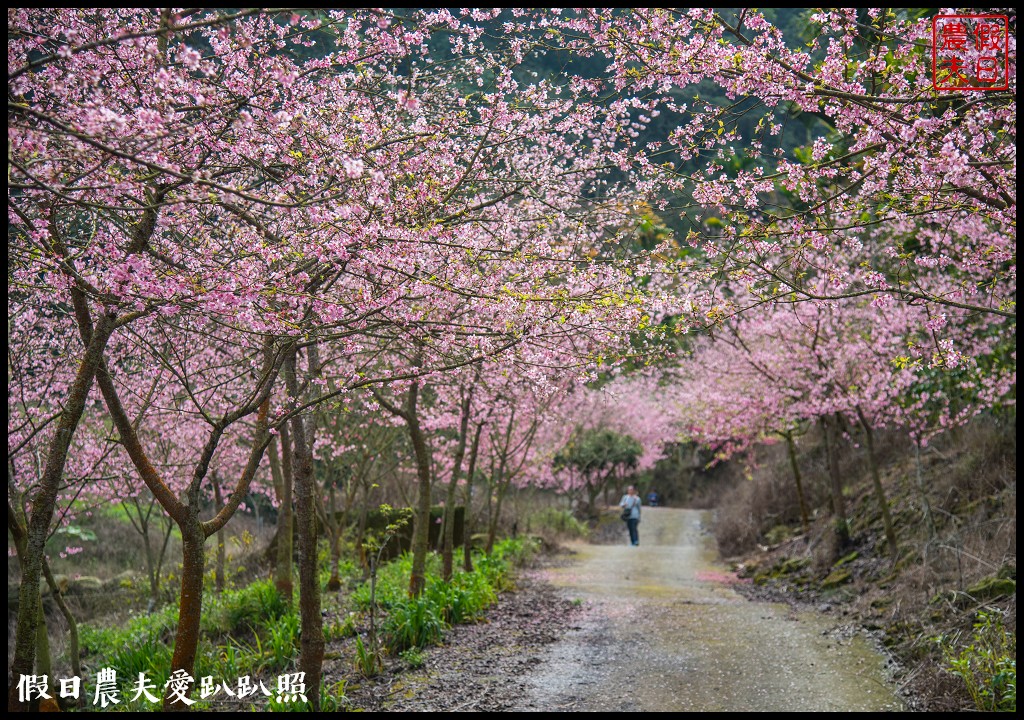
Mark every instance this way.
x=970 y=52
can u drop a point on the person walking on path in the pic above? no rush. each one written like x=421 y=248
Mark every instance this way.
x=630 y=504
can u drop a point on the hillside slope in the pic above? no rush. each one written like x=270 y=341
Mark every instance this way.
x=955 y=576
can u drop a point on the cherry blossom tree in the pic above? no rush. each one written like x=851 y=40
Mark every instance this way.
x=902 y=179
x=257 y=213
x=838 y=362
x=142 y=182
x=599 y=433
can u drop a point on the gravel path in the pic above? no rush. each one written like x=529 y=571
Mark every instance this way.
x=659 y=627
x=665 y=630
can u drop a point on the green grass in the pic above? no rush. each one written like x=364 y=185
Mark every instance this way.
x=246 y=631
x=414 y=623
x=250 y=608
x=253 y=631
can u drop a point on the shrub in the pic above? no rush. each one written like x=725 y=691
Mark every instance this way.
x=518 y=551
x=558 y=523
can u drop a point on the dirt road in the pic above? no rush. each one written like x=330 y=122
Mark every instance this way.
x=665 y=630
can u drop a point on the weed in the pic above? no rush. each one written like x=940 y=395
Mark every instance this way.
x=140 y=655
x=332 y=699
x=282 y=641
x=140 y=646
x=495 y=570
x=413 y=657
x=254 y=606
x=988 y=665
x=235 y=659
x=367 y=660
x=414 y=622
x=340 y=628
x=465 y=599
x=517 y=551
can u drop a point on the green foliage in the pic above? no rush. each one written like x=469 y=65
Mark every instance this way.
x=464 y=599
x=518 y=551
x=233 y=661
x=414 y=622
x=256 y=632
x=387 y=530
x=76 y=533
x=597 y=450
x=413 y=657
x=495 y=569
x=988 y=665
x=367 y=659
x=143 y=644
x=332 y=699
x=561 y=522
x=282 y=642
x=150 y=655
x=340 y=628
x=393 y=581
x=252 y=607
x=422 y=621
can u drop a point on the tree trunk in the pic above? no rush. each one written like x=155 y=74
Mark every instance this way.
x=489 y=496
x=44 y=665
x=147 y=547
x=593 y=490
x=142 y=521
x=876 y=482
x=190 y=603
x=468 y=521
x=502 y=486
x=42 y=641
x=155 y=586
x=221 y=563
x=841 y=526
x=791 y=449
x=364 y=511
x=311 y=658
x=926 y=507
x=334 y=528
x=185 y=511
x=44 y=502
x=281 y=469
x=58 y=597
x=447 y=554
x=421 y=525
